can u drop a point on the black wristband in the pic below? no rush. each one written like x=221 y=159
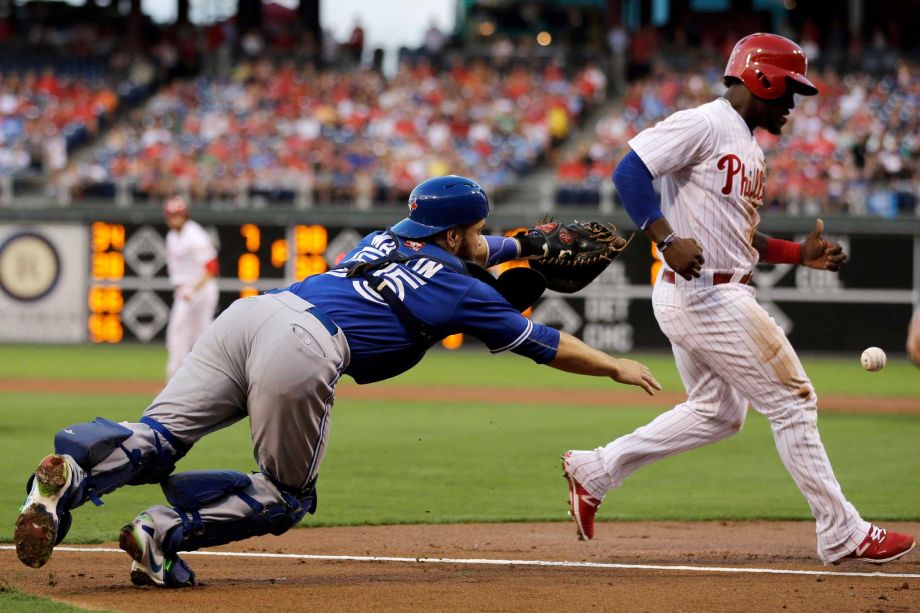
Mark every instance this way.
x=666 y=242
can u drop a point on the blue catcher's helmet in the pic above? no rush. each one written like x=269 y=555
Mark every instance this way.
x=441 y=203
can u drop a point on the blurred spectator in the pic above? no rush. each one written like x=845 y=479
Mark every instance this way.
x=434 y=40
x=434 y=44
x=355 y=44
x=644 y=45
x=45 y=115
x=618 y=44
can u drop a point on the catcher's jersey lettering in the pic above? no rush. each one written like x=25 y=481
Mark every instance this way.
x=399 y=278
x=435 y=292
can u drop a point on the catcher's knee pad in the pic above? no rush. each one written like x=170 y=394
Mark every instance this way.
x=189 y=492
x=91 y=443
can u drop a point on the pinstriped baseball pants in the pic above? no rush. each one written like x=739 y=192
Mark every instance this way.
x=729 y=353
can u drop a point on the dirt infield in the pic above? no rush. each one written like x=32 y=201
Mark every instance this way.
x=836 y=403
x=100 y=580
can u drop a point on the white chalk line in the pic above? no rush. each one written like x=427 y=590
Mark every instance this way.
x=491 y=562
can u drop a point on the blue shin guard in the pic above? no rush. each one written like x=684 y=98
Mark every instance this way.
x=190 y=492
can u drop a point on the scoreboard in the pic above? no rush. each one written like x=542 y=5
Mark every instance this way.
x=129 y=294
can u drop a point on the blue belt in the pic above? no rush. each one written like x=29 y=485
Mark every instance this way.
x=324 y=319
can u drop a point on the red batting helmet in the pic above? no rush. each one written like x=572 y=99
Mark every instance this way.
x=766 y=62
x=175 y=206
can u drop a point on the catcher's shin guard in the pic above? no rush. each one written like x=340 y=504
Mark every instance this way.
x=198 y=496
x=150 y=454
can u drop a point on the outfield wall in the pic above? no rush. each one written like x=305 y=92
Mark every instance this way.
x=98 y=275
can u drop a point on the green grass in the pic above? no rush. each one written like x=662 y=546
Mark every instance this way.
x=838 y=375
x=408 y=462
x=14 y=601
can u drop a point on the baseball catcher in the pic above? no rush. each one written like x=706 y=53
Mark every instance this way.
x=570 y=256
x=275 y=358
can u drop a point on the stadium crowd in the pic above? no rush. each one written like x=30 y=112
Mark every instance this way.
x=208 y=112
x=343 y=135
x=61 y=85
x=44 y=115
x=854 y=148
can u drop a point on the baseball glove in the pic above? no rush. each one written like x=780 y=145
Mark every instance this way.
x=574 y=254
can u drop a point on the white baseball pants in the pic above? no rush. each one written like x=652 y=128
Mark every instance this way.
x=188 y=319
x=729 y=352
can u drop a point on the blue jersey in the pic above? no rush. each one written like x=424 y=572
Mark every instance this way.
x=436 y=291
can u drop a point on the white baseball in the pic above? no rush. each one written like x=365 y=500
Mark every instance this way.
x=873 y=359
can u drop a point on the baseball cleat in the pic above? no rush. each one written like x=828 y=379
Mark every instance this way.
x=582 y=505
x=882 y=546
x=151 y=566
x=37 y=526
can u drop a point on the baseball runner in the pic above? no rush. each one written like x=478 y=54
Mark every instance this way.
x=276 y=358
x=191 y=262
x=728 y=350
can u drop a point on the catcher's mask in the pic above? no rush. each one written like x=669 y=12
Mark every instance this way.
x=441 y=203
x=767 y=64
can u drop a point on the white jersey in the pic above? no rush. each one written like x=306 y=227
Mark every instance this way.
x=187 y=253
x=712 y=180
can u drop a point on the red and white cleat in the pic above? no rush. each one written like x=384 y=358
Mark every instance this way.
x=882 y=546
x=582 y=505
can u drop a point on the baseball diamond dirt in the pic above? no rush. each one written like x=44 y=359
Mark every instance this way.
x=100 y=579
x=827 y=402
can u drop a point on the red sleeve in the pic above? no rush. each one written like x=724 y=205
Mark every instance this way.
x=782 y=252
x=212 y=267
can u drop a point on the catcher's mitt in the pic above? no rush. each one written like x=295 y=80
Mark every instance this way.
x=574 y=254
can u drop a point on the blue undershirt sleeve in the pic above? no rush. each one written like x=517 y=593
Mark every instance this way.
x=501 y=249
x=634 y=184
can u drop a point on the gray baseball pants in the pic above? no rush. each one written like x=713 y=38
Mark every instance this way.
x=264 y=357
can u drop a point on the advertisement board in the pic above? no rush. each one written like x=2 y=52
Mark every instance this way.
x=43 y=283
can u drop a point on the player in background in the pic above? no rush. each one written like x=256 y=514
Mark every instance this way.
x=913 y=338
x=728 y=350
x=276 y=358
x=191 y=262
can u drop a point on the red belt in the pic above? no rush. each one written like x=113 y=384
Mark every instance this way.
x=718 y=278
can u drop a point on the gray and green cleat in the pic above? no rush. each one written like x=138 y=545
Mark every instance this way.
x=151 y=566
x=39 y=521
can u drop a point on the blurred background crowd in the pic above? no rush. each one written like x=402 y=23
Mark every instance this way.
x=260 y=104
